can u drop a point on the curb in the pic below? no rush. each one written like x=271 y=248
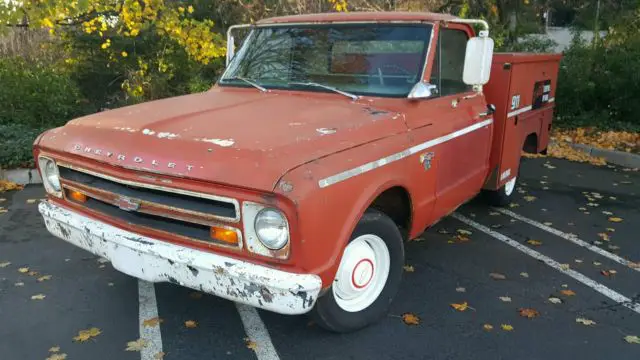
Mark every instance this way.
x=620 y=158
x=21 y=176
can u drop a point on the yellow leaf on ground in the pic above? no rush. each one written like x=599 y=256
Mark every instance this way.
x=152 y=322
x=632 y=339
x=410 y=319
x=615 y=219
x=604 y=236
x=497 y=276
x=8 y=185
x=5 y=264
x=506 y=327
x=38 y=297
x=505 y=298
x=567 y=292
x=44 y=278
x=529 y=198
x=54 y=349
x=460 y=307
x=19 y=283
x=534 y=242
x=524 y=274
x=514 y=205
x=251 y=344
x=555 y=300
x=565 y=266
x=586 y=322
x=23 y=270
x=634 y=265
x=33 y=273
x=463 y=232
x=159 y=356
x=487 y=327
x=84 y=335
x=528 y=313
x=408 y=268
x=190 y=324
x=57 y=356
x=137 y=345
x=31 y=201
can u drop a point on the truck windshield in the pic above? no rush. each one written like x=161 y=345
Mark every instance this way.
x=375 y=60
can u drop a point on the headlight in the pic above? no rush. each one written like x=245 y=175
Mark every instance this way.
x=50 y=176
x=272 y=228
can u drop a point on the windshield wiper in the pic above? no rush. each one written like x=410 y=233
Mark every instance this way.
x=349 y=95
x=250 y=82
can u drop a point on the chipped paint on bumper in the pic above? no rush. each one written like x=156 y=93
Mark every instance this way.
x=158 y=261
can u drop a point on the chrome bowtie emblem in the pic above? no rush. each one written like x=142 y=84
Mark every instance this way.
x=127 y=204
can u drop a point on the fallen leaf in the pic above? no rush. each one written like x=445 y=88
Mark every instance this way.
x=137 y=345
x=528 y=313
x=23 y=270
x=593 y=204
x=443 y=231
x=524 y=274
x=408 y=268
x=110 y=284
x=5 y=264
x=534 y=242
x=497 y=276
x=634 y=265
x=494 y=213
x=460 y=307
x=461 y=289
x=487 y=327
x=190 y=324
x=565 y=266
x=615 y=219
x=31 y=201
x=608 y=273
x=555 y=300
x=547 y=223
x=632 y=339
x=20 y=283
x=607 y=213
x=565 y=285
x=57 y=356
x=506 y=327
x=159 y=356
x=44 y=278
x=586 y=322
x=85 y=335
x=152 y=322
x=567 y=292
x=579 y=261
x=33 y=273
x=514 y=205
x=611 y=230
x=463 y=232
x=504 y=298
x=529 y=198
x=410 y=319
x=496 y=226
x=613 y=247
x=38 y=297
x=604 y=236
x=597 y=263
x=251 y=344
x=54 y=349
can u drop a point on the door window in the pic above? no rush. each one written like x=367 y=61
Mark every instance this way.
x=448 y=63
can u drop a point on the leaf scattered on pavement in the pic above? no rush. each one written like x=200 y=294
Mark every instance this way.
x=155 y=321
x=44 y=278
x=547 y=223
x=461 y=307
x=504 y=298
x=567 y=292
x=609 y=213
x=38 y=297
x=615 y=219
x=506 y=327
x=190 y=324
x=555 y=300
x=5 y=264
x=608 y=273
x=514 y=205
x=8 y=185
x=586 y=322
x=524 y=274
x=579 y=261
x=31 y=201
x=460 y=289
x=611 y=230
x=54 y=349
x=497 y=276
x=57 y=356
x=408 y=268
x=632 y=339
x=23 y=270
x=410 y=319
x=159 y=356
x=604 y=236
x=137 y=345
x=19 y=283
x=528 y=313
x=529 y=198
x=534 y=242
x=251 y=344
x=613 y=247
x=33 y=273
x=487 y=327
x=494 y=213
x=85 y=335
x=463 y=232
x=565 y=266
x=634 y=265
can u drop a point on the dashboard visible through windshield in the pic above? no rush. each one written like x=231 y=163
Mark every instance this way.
x=364 y=59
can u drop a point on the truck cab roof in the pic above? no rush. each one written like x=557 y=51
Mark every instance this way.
x=386 y=16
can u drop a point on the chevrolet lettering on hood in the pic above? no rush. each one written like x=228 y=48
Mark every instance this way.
x=123 y=157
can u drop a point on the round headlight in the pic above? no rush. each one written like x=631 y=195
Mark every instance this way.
x=51 y=175
x=272 y=229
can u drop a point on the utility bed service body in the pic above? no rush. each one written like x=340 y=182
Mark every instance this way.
x=292 y=183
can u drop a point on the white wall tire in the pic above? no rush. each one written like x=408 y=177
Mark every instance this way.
x=504 y=195
x=367 y=278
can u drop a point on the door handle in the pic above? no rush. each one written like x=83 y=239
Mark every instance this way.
x=490 y=110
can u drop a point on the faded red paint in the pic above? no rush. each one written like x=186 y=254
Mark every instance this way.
x=273 y=148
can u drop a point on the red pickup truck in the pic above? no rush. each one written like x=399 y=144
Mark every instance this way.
x=293 y=183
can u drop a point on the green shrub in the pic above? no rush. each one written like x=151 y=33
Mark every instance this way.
x=15 y=145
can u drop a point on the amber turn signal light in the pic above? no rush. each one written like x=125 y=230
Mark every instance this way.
x=77 y=196
x=226 y=236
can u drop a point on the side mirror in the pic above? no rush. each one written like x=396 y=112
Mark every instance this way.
x=422 y=90
x=477 y=61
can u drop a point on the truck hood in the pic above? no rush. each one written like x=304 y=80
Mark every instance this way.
x=233 y=136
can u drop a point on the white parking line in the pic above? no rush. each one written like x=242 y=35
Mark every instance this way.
x=257 y=332
x=574 y=239
x=148 y=310
x=611 y=294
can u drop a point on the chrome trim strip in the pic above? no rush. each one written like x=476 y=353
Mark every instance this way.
x=519 y=111
x=552 y=99
x=232 y=201
x=334 y=179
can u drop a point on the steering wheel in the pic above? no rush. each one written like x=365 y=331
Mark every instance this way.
x=404 y=71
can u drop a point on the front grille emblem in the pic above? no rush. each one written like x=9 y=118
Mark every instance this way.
x=127 y=204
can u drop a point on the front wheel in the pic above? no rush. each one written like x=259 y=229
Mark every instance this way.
x=502 y=196
x=368 y=276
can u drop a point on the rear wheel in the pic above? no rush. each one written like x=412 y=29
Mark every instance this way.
x=368 y=276
x=502 y=196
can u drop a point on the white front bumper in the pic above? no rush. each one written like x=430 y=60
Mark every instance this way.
x=158 y=261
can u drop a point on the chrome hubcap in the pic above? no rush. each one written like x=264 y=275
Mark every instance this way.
x=509 y=186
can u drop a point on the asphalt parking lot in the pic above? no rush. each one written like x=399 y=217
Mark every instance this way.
x=559 y=253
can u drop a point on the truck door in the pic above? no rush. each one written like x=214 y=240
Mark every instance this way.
x=453 y=119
